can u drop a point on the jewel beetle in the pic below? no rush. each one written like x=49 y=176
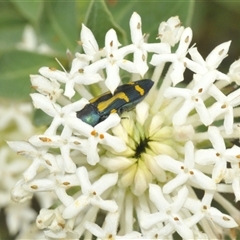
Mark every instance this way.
x=125 y=98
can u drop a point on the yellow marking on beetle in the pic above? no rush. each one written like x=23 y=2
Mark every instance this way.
x=96 y=98
x=103 y=105
x=131 y=83
x=139 y=89
x=113 y=110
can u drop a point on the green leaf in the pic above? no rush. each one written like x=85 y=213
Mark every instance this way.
x=40 y=118
x=100 y=20
x=29 y=10
x=82 y=9
x=216 y=22
x=11 y=26
x=15 y=68
x=58 y=27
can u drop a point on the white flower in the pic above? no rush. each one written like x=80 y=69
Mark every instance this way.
x=91 y=194
x=113 y=62
x=178 y=58
x=219 y=155
x=19 y=194
x=224 y=106
x=140 y=47
x=54 y=226
x=19 y=217
x=65 y=142
x=77 y=75
x=54 y=110
x=10 y=172
x=89 y=44
x=30 y=42
x=39 y=158
x=234 y=72
x=185 y=171
x=110 y=229
x=167 y=213
x=170 y=31
x=16 y=114
x=56 y=182
x=232 y=177
x=212 y=61
x=16 y=123
x=203 y=209
x=146 y=168
x=194 y=98
x=46 y=87
x=97 y=134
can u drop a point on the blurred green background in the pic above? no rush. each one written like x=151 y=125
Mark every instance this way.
x=58 y=24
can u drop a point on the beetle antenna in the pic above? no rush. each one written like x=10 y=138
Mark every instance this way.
x=61 y=66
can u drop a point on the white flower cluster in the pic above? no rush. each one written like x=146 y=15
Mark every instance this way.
x=137 y=177
x=13 y=116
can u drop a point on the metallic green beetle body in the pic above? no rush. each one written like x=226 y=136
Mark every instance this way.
x=125 y=98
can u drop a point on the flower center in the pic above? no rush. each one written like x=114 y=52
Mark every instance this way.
x=141 y=148
x=145 y=138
